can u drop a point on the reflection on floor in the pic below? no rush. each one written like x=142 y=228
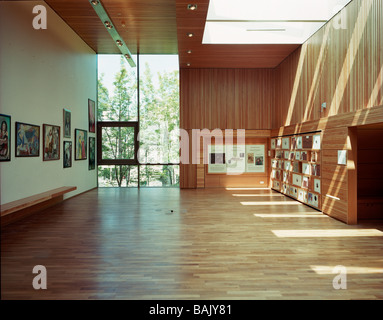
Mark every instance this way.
x=189 y=244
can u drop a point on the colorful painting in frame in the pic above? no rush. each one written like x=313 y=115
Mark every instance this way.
x=92 y=153
x=27 y=140
x=67 y=154
x=92 y=116
x=81 y=141
x=67 y=123
x=51 y=142
x=5 y=137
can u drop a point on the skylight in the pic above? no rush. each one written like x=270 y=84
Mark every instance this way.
x=267 y=22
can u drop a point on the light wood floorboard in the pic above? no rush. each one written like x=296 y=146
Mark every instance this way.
x=216 y=244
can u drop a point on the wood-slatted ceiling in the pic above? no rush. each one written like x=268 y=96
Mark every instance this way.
x=147 y=26
x=161 y=27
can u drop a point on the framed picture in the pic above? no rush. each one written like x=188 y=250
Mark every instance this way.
x=81 y=141
x=51 y=142
x=92 y=117
x=27 y=140
x=92 y=153
x=67 y=154
x=67 y=123
x=5 y=137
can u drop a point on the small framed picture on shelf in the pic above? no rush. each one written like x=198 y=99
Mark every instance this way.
x=306 y=168
x=316 y=142
x=286 y=143
x=307 y=142
x=299 y=142
x=293 y=143
x=273 y=143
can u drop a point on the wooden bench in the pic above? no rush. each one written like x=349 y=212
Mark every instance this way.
x=16 y=210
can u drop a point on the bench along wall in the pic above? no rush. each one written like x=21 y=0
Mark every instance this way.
x=42 y=72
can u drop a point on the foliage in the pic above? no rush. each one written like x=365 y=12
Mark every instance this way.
x=159 y=123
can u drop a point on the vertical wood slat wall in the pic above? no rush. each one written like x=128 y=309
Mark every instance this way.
x=226 y=98
x=342 y=65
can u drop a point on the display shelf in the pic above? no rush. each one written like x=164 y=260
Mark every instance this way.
x=296 y=167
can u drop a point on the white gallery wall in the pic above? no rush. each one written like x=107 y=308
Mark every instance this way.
x=41 y=73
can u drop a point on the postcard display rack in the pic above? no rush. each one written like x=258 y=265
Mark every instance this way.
x=296 y=167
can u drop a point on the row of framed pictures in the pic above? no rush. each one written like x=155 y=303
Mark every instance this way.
x=309 y=141
x=27 y=140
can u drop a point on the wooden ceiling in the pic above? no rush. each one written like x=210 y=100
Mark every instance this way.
x=147 y=26
x=161 y=27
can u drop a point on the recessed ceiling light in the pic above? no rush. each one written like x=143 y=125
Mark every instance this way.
x=190 y=34
x=189 y=51
x=188 y=64
x=192 y=7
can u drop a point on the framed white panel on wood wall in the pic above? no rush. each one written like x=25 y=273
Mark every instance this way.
x=217 y=161
x=273 y=144
x=299 y=142
x=286 y=143
x=255 y=158
x=316 y=142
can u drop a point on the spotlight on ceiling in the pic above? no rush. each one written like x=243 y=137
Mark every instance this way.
x=190 y=35
x=192 y=7
x=108 y=25
x=107 y=22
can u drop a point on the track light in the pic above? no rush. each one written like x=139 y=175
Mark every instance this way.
x=108 y=25
x=107 y=22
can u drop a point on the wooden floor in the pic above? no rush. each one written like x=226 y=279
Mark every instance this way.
x=216 y=244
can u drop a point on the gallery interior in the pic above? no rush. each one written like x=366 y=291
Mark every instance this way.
x=191 y=150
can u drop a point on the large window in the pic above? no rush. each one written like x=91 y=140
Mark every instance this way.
x=138 y=121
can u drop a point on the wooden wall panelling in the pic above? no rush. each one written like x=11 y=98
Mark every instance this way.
x=188 y=172
x=335 y=177
x=226 y=98
x=352 y=175
x=340 y=65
